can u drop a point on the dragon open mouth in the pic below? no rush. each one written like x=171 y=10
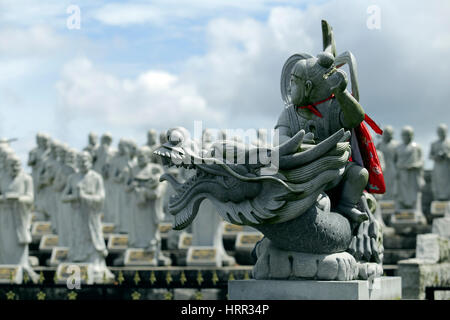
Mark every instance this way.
x=184 y=204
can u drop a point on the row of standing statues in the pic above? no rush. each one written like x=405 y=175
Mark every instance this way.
x=78 y=191
x=403 y=170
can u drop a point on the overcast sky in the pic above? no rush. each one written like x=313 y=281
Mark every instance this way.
x=136 y=65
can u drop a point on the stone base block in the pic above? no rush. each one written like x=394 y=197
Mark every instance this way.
x=433 y=248
x=440 y=208
x=383 y=288
x=419 y=274
x=441 y=226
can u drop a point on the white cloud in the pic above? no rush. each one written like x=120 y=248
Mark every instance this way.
x=158 y=12
x=234 y=82
x=34 y=41
x=126 y=14
x=153 y=98
x=401 y=70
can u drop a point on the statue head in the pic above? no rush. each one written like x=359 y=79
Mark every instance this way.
x=207 y=136
x=313 y=79
x=106 y=139
x=61 y=151
x=45 y=141
x=92 y=139
x=84 y=161
x=54 y=146
x=38 y=138
x=442 y=131
x=222 y=135
x=132 y=148
x=407 y=134
x=122 y=147
x=151 y=137
x=388 y=133
x=14 y=165
x=143 y=156
x=71 y=157
x=5 y=152
x=163 y=137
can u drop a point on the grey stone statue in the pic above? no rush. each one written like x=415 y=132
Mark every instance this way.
x=118 y=176
x=290 y=208
x=440 y=154
x=65 y=232
x=222 y=135
x=46 y=178
x=146 y=195
x=152 y=143
x=307 y=85
x=388 y=146
x=34 y=159
x=316 y=221
x=152 y=137
x=85 y=193
x=131 y=166
x=16 y=199
x=409 y=172
x=163 y=137
x=92 y=145
x=103 y=157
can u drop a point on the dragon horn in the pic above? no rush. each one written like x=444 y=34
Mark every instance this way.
x=328 y=38
x=348 y=58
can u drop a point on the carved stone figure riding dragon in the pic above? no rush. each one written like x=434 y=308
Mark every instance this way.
x=309 y=194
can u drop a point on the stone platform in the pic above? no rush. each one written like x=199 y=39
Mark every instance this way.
x=384 y=288
x=132 y=283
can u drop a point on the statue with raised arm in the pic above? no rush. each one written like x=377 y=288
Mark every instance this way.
x=16 y=200
x=440 y=154
x=316 y=220
x=85 y=193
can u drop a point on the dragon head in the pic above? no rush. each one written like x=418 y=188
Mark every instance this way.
x=231 y=175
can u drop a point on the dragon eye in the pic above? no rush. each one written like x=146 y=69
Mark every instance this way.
x=230 y=182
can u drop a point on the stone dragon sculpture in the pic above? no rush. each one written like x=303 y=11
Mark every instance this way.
x=304 y=236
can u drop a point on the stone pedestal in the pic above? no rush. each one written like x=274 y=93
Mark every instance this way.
x=430 y=268
x=407 y=218
x=441 y=226
x=140 y=257
x=384 y=288
x=440 y=208
x=419 y=274
x=245 y=242
x=387 y=207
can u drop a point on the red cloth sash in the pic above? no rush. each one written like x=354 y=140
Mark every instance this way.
x=367 y=148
